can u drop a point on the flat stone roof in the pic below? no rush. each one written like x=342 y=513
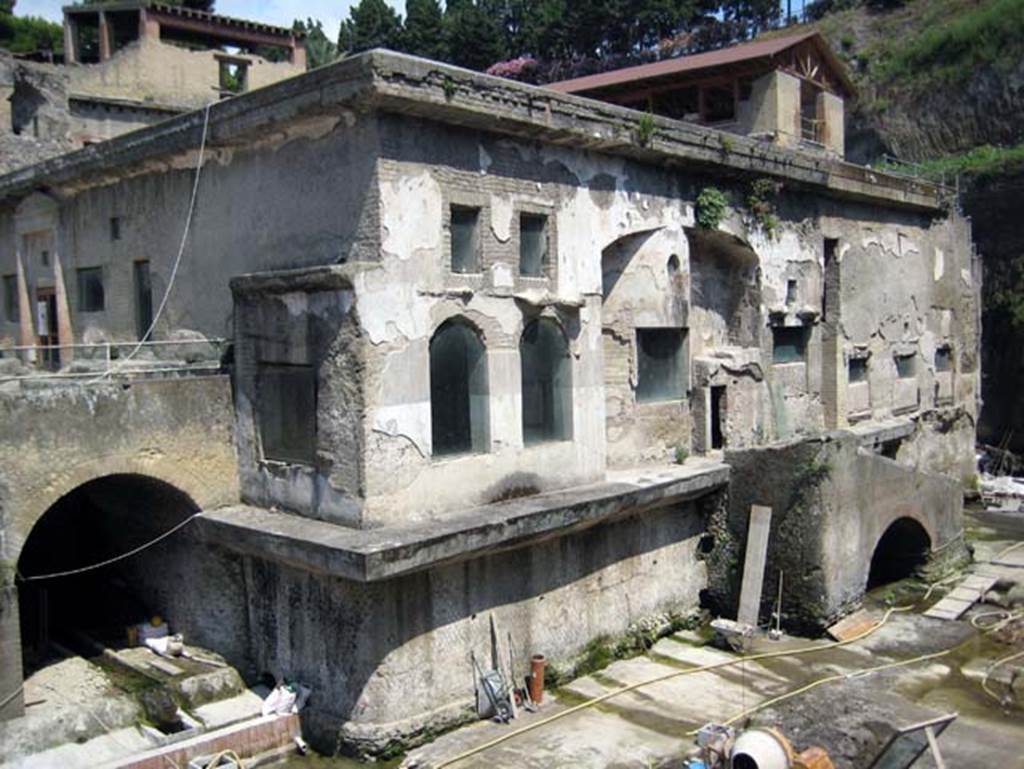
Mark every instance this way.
x=368 y=555
x=402 y=84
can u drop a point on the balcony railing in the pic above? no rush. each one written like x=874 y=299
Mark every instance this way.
x=100 y=361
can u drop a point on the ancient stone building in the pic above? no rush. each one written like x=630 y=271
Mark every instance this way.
x=499 y=353
x=131 y=64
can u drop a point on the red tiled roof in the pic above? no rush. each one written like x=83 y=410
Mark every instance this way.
x=758 y=49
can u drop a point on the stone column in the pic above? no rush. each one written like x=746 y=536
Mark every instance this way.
x=148 y=28
x=65 y=334
x=26 y=330
x=299 y=53
x=105 y=34
x=12 y=698
x=70 y=39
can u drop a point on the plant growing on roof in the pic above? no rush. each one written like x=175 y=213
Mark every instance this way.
x=645 y=129
x=761 y=202
x=711 y=206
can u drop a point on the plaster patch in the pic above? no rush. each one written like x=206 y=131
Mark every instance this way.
x=940 y=264
x=501 y=218
x=411 y=214
x=965 y=276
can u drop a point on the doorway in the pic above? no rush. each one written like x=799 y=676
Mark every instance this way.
x=717 y=410
x=46 y=328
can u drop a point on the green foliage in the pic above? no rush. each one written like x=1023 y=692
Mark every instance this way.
x=728 y=145
x=1009 y=300
x=711 y=207
x=475 y=33
x=423 y=33
x=645 y=129
x=681 y=453
x=761 y=202
x=990 y=34
x=25 y=34
x=370 y=24
x=985 y=160
x=320 y=49
x=449 y=88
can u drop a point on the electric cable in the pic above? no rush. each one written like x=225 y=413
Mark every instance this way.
x=177 y=260
x=115 y=559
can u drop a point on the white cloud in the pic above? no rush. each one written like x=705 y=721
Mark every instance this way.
x=281 y=12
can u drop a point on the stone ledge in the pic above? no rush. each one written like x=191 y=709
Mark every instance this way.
x=393 y=82
x=377 y=554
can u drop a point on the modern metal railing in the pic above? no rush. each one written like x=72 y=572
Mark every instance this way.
x=104 y=360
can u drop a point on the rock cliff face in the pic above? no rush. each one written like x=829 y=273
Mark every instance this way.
x=994 y=206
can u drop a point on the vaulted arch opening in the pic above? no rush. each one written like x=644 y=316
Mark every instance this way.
x=900 y=552
x=64 y=600
x=547 y=382
x=458 y=389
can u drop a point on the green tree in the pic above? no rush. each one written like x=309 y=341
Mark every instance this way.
x=424 y=33
x=25 y=34
x=320 y=49
x=475 y=32
x=370 y=24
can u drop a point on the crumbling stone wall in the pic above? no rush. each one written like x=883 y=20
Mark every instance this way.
x=831 y=502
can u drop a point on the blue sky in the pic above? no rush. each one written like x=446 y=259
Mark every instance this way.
x=281 y=12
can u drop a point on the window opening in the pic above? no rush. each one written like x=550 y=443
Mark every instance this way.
x=661 y=364
x=905 y=366
x=44 y=257
x=90 y=289
x=533 y=245
x=465 y=239
x=115 y=227
x=717 y=414
x=943 y=360
x=789 y=344
x=858 y=370
x=143 y=297
x=458 y=390
x=286 y=395
x=790 y=291
x=547 y=383
x=234 y=76
x=11 y=298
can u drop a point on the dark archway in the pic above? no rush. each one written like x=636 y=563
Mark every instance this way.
x=900 y=552
x=100 y=520
x=458 y=389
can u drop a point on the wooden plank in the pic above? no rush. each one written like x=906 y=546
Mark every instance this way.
x=853 y=625
x=754 y=563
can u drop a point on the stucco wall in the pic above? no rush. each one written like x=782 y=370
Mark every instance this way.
x=149 y=70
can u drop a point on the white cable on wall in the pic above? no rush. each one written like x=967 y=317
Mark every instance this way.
x=177 y=260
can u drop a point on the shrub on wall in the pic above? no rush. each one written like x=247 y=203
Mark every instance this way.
x=711 y=206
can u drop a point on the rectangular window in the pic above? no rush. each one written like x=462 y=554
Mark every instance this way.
x=234 y=76
x=90 y=289
x=661 y=364
x=905 y=366
x=465 y=239
x=789 y=344
x=533 y=245
x=858 y=370
x=11 y=298
x=143 y=297
x=286 y=397
x=44 y=257
x=790 y=291
x=943 y=360
x=115 y=227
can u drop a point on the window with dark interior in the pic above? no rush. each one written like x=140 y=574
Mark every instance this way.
x=943 y=360
x=286 y=395
x=661 y=364
x=789 y=344
x=458 y=390
x=90 y=290
x=905 y=366
x=547 y=383
x=858 y=370
x=115 y=227
x=465 y=239
x=533 y=245
x=143 y=297
x=11 y=298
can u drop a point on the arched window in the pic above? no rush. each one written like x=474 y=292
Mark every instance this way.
x=547 y=383
x=458 y=389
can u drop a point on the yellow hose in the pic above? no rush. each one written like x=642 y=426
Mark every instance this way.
x=991 y=668
x=675 y=674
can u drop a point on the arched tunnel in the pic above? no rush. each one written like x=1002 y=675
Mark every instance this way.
x=99 y=521
x=900 y=552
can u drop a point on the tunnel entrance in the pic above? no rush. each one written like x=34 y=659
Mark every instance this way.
x=98 y=521
x=900 y=552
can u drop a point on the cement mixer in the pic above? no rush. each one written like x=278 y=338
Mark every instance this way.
x=722 y=748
